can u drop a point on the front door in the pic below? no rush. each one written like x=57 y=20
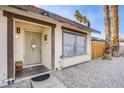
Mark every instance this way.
x=33 y=48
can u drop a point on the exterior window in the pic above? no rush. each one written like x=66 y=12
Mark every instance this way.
x=74 y=44
x=80 y=45
x=69 y=44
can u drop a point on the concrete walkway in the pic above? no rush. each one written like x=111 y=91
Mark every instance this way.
x=52 y=82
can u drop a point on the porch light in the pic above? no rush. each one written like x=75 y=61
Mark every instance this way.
x=45 y=13
x=18 y=31
x=45 y=37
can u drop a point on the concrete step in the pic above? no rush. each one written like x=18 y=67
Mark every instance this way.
x=52 y=82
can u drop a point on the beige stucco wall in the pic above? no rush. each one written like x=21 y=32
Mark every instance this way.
x=61 y=63
x=46 y=47
x=18 y=45
x=78 y=59
x=3 y=47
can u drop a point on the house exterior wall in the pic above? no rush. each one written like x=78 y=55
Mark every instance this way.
x=59 y=62
x=65 y=62
x=46 y=48
x=79 y=59
x=18 y=44
x=3 y=48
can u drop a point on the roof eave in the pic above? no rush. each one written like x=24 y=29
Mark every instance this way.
x=95 y=31
x=54 y=16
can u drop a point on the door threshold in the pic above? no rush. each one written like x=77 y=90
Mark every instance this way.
x=33 y=65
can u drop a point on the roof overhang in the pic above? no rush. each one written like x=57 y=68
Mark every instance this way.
x=53 y=16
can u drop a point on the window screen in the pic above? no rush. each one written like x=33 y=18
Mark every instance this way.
x=80 y=45
x=74 y=44
x=69 y=44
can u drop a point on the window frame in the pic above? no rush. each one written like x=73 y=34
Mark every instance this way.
x=76 y=34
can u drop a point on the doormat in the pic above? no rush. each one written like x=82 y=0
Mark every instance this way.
x=41 y=77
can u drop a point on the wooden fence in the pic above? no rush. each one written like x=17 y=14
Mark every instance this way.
x=97 y=50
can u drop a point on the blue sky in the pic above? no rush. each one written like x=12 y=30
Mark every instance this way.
x=93 y=12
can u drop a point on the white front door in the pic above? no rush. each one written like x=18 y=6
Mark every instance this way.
x=33 y=48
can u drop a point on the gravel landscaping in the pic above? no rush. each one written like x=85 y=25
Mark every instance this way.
x=94 y=74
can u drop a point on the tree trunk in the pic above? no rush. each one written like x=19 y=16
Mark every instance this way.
x=115 y=32
x=108 y=51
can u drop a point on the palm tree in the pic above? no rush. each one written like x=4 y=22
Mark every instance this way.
x=108 y=52
x=115 y=32
x=80 y=18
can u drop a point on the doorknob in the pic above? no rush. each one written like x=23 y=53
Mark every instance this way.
x=33 y=46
